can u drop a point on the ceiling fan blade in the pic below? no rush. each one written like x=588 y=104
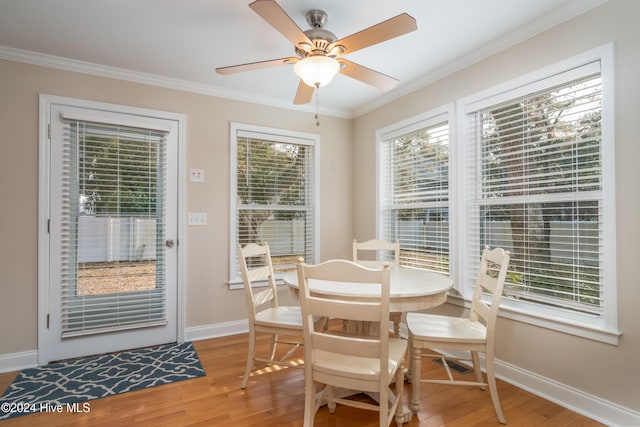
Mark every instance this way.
x=304 y=94
x=386 y=30
x=254 y=65
x=367 y=75
x=271 y=12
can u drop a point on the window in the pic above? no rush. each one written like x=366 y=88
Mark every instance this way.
x=273 y=183
x=538 y=169
x=414 y=190
x=531 y=170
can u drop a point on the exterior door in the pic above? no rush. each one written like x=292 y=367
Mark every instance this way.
x=112 y=232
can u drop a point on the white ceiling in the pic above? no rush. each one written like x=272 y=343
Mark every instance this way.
x=179 y=43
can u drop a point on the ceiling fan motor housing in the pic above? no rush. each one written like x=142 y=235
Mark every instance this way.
x=320 y=37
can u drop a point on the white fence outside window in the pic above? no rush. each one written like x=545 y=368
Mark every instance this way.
x=106 y=239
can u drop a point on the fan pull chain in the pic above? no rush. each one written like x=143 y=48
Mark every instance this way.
x=317 y=116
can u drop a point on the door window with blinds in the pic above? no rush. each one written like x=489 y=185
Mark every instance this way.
x=414 y=190
x=108 y=254
x=112 y=214
x=273 y=180
x=538 y=173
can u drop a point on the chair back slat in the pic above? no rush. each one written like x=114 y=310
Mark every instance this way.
x=342 y=271
x=262 y=297
x=338 y=344
x=480 y=310
x=347 y=310
x=253 y=249
x=258 y=273
x=487 y=282
x=377 y=246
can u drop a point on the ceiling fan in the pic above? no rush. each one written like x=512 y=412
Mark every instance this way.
x=319 y=53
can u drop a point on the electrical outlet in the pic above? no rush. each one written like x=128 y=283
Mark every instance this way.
x=197 y=218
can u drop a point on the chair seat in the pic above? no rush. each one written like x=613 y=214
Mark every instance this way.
x=280 y=316
x=361 y=368
x=445 y=328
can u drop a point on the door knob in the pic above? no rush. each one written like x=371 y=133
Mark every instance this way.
x=169 y=243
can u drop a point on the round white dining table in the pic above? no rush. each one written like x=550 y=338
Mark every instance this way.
x=411 y=290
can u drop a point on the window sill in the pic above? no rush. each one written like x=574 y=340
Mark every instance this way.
x=548 y=320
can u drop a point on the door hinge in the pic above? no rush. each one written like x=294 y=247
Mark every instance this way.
x=49 y=226
x=47 y=320
x=49 y=130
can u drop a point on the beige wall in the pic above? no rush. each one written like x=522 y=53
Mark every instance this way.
x=609 y=372
x=208 y=300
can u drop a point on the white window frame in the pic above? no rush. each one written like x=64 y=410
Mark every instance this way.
x=413 y=124
x=275 y=134
x=604 y=328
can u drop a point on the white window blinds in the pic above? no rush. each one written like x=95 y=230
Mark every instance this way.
x=534 y=175
x=112 y=227
x=274 y=176
x=414 y=181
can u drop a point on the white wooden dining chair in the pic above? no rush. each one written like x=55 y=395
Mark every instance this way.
x=265 y=314
x=474 y=334
x=390 y=252
x=367 y=363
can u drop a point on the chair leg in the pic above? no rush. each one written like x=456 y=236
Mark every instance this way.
x=416 y=363
x=385 y=403
x=272 y=347
x=250 y=356
x=309 y=399
x=331 y=399
x=396 y=318
x=409 y=375
x=491 y=380
x=399 y=415
x=475 y=360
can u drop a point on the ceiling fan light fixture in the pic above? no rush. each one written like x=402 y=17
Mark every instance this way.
x=316 y=71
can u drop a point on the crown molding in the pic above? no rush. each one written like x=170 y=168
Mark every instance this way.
x=73 y=65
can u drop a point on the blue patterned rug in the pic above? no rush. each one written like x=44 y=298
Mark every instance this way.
x=71 y=384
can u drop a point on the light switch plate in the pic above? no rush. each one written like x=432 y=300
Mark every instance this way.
x=197 y=218
x=196 y=175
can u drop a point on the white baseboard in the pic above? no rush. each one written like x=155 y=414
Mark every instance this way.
x=591 y=406
x=216 y=330
x=583 y=403
x=18 y=361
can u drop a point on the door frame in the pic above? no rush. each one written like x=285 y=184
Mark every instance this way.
x=44 y=156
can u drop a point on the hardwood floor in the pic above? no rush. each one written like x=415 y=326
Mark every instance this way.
x=274 y=397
